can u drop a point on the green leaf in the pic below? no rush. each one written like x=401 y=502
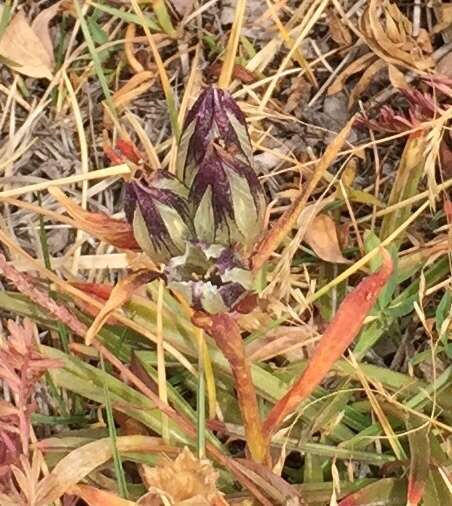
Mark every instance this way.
x=418 y=437
x=387 y=492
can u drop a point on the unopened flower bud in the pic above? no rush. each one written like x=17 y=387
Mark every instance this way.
x=226 y=200
x=215 y=116
x=156 y=207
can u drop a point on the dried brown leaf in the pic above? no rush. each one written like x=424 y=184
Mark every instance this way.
x=23 y=47
x=338 y=31
x=321 y=236
x=397 y=78
x=40 y=26
x=357 y=66
x=116 y=232
x=365 y=80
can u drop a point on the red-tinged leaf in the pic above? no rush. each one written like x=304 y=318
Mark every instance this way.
x=227 y=336
x=119 y=296
x=129 y=150
x=419 y=441
x=116 y=232
x=238 y=72
x=339 y=334
x=99 y=290
x=96 y=497
x=388 y=492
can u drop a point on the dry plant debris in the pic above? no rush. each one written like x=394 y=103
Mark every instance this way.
x=225 y=252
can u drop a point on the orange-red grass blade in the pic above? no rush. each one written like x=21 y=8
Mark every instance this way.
x=339 y=334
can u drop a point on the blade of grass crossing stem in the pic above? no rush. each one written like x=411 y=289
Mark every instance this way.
x=201 y=398
x=210 y=383
x=161 y=371
x=233 y=44
x=117 y=461
x=208 y=368
x=95 y=56
x=162 y=72
x=392 y=439
x=366 y=258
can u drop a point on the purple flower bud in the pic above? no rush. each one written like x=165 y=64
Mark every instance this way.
x=215 y=116
x=226 y=199
x=156 y=207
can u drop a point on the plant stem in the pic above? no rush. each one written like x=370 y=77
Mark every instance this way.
x=227 y=336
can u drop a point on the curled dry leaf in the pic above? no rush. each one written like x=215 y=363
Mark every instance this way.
x=357 y=66
x=338 y=31
x=365 y=80
x=119 y=296
x=116 y=232
x=321 y=236
x=339 y=334
x=388 y=33
x=134 y=87
x=397 y=78
x=28 y=49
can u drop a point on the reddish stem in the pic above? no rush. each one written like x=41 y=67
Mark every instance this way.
x=227 y=335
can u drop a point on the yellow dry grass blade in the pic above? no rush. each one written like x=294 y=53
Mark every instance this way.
x=298 y=55
x=116 y=170
x=84 y=164
x=309 y=21
x=233 y=44
x=377 y=409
